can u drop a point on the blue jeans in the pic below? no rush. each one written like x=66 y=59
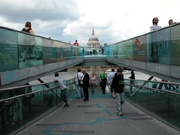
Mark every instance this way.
x=92 y=87
x=64 y=97
x=119 y=101
x=79 y=91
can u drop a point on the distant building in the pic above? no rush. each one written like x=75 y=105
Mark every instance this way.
x=93 y=41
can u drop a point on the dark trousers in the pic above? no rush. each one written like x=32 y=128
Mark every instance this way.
x=103 y=86
x=86 y=93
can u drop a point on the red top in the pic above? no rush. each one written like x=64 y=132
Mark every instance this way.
x=76 y=43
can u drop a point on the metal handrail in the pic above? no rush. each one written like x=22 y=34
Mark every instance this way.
x=173 y=83
x=17 y=87
x=30 y=93
x=155 y=89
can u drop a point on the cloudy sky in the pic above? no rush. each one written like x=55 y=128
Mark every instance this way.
x=68 y=20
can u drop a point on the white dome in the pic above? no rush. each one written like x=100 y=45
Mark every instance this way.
x=93 y=41
x=93 y=38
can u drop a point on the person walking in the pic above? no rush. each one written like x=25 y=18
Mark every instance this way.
x=85 y=80
x=119 y=88
x=109 y=80
x=63 y=89
x=78 y=83
x=93 y=82
x=103 y=81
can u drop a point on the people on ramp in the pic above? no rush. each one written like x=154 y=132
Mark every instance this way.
x=119 y=88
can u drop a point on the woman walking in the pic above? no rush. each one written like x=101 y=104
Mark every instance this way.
x=93 y=82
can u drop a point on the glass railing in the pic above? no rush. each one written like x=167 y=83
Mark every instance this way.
x=162 y=46
x=161 y=99
x=22 y=50
x=21 y=105
x=94 y=51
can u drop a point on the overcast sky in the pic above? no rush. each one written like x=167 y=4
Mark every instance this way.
x=68 y=20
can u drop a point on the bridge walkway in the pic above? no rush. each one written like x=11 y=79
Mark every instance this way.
x=98 y=116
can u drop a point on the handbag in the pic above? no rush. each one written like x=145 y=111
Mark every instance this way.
x=107 y=89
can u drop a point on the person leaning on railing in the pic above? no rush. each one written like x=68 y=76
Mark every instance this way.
x=28 y=28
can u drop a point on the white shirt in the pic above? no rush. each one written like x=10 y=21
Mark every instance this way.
x=60 y=82
x=155 y=27
x=110 y=77
x=79 y=77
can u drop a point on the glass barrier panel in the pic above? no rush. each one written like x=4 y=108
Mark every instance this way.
x=93 y=51
x=70 y=90
x=68 y=52
x=8 y=50
x=130 y=90
x=82 y=52
x=158 y=46
x=175 y=45
x=49 y=51
x=60 y=51
x=128 y=49
x=139 y=48
x=30 y=51
x=121 y=50
x=158 y=103
x=175 y=110
x=115 y=51
x=108 y=51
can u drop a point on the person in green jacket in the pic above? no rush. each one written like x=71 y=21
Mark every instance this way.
x=103 y=81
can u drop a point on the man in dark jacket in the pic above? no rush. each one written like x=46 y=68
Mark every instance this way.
x=85 y=80
x=118 y=86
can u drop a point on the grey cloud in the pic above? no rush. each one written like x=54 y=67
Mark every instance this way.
x=67 y=10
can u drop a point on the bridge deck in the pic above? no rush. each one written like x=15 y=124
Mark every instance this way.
x=98 y=116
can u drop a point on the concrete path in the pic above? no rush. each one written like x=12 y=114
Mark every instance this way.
x=98 y=116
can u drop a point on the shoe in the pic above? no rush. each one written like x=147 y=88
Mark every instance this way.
x=78 y=98
x=65 y=106
x=120 y=114
x=81 y=96
x=113 y=97
x=13 y=124
x=85 y=100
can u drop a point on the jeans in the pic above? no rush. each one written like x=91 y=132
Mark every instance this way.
x=92 y=87
x=64 y=97
x=79 y=91
x=119 y=101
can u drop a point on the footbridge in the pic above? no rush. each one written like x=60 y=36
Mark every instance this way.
x=25 y=57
